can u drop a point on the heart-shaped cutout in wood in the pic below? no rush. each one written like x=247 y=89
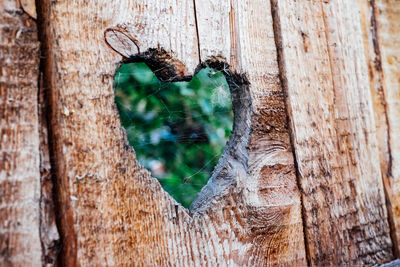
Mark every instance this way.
x=233 y=159
x=178 y=129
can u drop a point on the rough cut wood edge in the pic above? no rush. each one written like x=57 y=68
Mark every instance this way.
x=373 y=20
x=271 y=180
x=20 y=243
x=324 y=72
x=111 y=211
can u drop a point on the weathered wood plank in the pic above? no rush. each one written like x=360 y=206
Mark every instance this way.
x=325 y=73
x=388 y=23
x=19 y=138
x=111 y=211
x=270 y=185
x=381 y=21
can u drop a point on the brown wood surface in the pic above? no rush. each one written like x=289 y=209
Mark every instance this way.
x=271 y=179
x=387 y=16
x=20 y=243
x=308 y=177
x=329 y=104
x=106 y=198
x=380 y=22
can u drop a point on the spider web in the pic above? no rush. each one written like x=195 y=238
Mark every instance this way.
x=178 y=130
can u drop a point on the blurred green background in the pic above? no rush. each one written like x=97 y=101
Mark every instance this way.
x=178 y=130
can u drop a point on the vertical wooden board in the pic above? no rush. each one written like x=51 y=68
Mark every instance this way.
x=19 y=138
x=241 y=32
x=387 y=16
x=325 y=74
x=370 y=21
x=214 y=19
x=111 y=211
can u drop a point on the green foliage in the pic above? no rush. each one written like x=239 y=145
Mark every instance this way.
x=179 y=129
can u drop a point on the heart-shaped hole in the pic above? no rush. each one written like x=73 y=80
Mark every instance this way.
x=178 y=129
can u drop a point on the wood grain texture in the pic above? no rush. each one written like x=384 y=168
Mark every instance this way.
x=381 y=23
x=270 y=184
x=299 y=59
x=329 y=102
x=20 y=243
x=388 y=24
x=112 y=212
